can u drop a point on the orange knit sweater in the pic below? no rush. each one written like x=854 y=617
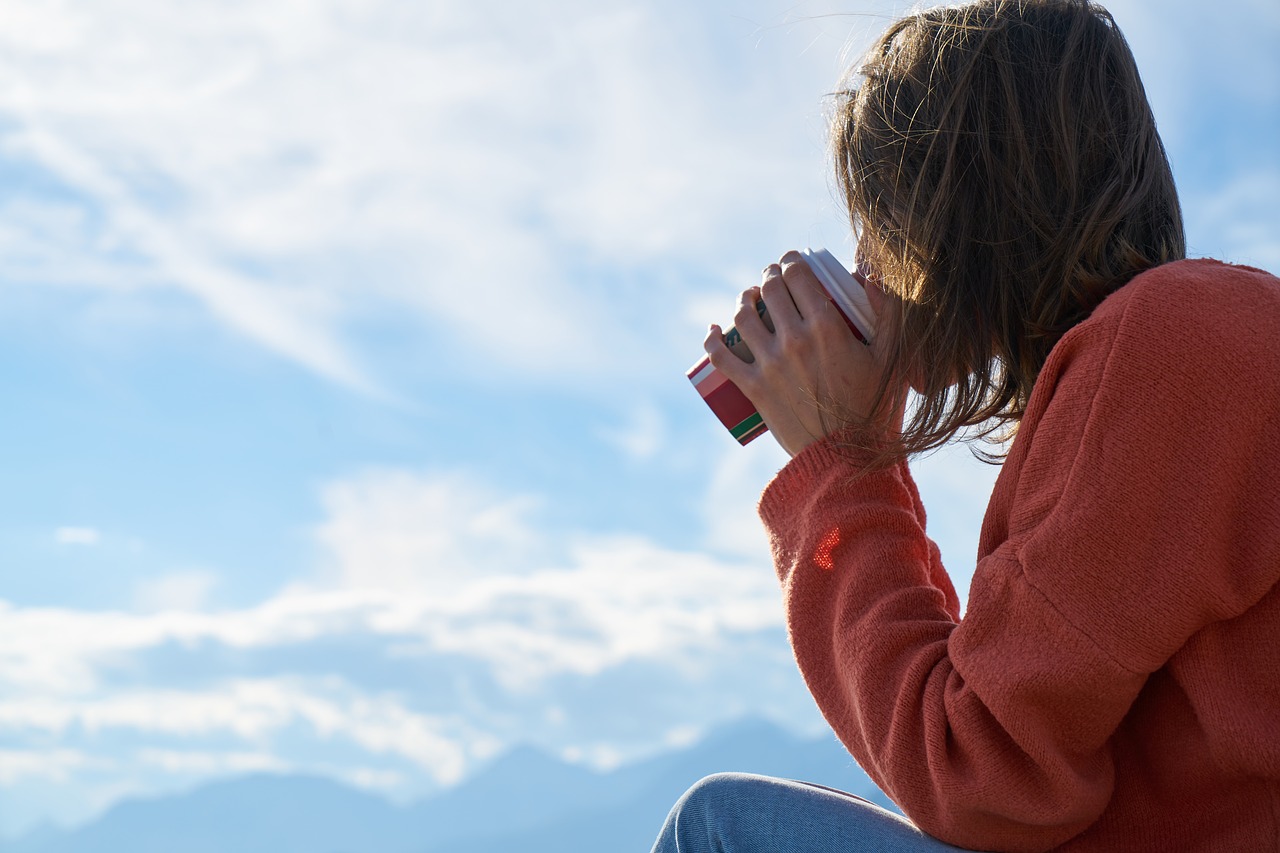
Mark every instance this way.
x=1115 y=682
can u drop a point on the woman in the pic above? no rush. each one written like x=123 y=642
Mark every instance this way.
x=1115 y=682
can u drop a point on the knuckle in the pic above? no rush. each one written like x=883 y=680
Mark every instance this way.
x=794 y=264
x=720 y=357
x=793 y=267
x=798 y=347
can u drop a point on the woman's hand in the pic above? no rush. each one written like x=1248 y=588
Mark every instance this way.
x=810 y=376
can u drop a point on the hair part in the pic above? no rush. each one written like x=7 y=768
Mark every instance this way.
x=1003 y=173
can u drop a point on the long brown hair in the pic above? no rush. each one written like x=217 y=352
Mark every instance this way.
x=1003 y=172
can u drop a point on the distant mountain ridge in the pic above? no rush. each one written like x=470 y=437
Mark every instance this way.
x=524 y=799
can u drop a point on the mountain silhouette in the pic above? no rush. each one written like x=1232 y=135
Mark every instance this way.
x=525 y=799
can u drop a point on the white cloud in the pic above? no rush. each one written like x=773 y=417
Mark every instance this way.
x=255 y=711
x=470 y=574
x=267 y=314
x=57 y=651
x=373 y=779
x=396 y=530
x=77 y=536
x=200 y=763
x=449 y=566
x=56 y=765
x=184 y=591
x=429 y=567
x=294 y=165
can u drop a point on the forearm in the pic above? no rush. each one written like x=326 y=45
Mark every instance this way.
x=872 y=632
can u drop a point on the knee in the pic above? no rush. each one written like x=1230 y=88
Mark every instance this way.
x=708 y=789
x=714 y=806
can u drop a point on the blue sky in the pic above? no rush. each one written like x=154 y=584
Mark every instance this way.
x=343 y=343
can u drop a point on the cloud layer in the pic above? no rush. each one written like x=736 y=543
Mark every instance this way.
x=496 y=631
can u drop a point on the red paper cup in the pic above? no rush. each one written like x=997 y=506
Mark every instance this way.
x=738 y=414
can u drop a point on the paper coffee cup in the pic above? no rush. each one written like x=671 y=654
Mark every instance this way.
x=847 y=290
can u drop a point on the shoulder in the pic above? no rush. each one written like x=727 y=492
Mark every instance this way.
x=1185 y=322
x=1191 y=345
x=1193 y=301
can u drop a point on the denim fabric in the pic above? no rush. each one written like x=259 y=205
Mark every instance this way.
x=742 y=813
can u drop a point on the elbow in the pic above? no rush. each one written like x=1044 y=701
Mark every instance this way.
x=1022 y=817
x=995 y=833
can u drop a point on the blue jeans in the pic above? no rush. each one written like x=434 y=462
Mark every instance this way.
x=741 y=813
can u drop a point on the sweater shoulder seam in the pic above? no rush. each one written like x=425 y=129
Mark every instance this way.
x=1048 y=600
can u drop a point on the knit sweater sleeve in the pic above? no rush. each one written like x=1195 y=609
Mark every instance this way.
x=1125 y=531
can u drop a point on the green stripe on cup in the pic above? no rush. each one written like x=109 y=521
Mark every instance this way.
x=745 y=427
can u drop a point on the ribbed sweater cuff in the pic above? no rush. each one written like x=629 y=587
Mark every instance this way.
x=796 y=484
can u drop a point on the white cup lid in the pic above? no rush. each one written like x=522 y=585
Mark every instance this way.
x=845 y=290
